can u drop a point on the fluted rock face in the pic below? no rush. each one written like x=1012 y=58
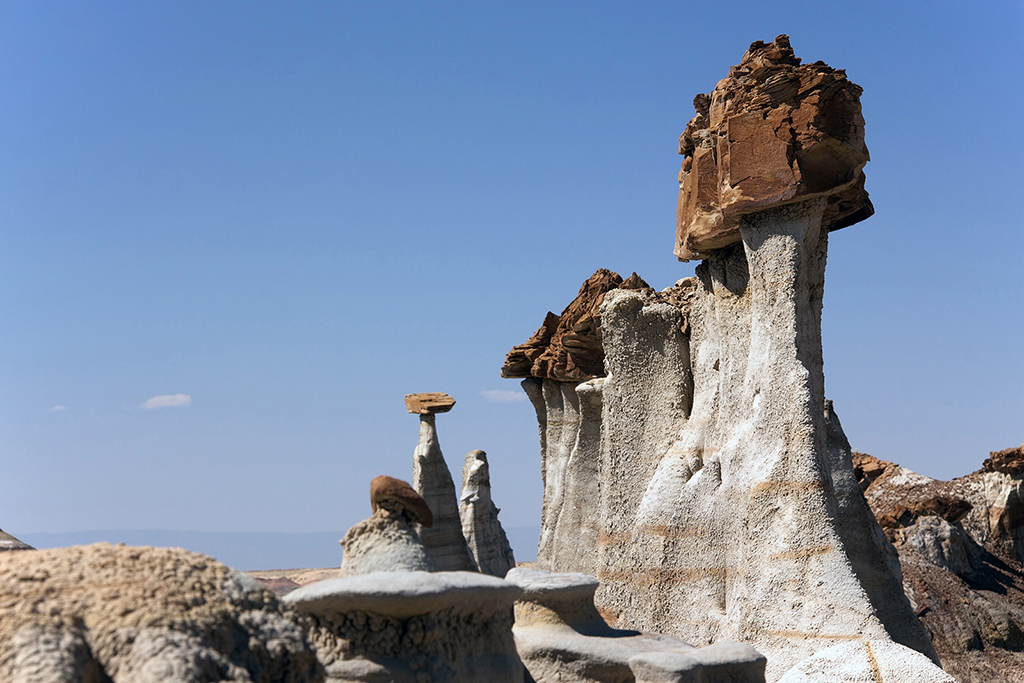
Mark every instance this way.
x=487 y=542
x=713 y=483
x=773 y=132
x=432 y=479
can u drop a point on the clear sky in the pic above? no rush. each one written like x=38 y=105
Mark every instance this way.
x=282 y=217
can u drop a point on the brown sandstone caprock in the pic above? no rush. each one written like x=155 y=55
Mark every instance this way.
x=386 y=492
x=432 y=479
x=568 y=347
x=773 y=132
x=429 y=404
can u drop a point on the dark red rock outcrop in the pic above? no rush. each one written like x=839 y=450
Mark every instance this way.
x=568 y=347
x=773 y=132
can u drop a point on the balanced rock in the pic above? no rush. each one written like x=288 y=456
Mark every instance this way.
x=487 y=541
x=399 y=497
x=429 y=404
x=431 y=478
x=773 y=132
x=143 y=615
x=388 y=541
x=704 y=479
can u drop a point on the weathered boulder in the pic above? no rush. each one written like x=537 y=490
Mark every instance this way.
x=773 y=132
x=867 y=661
x=484 y=536
x=397 y=496
x=142 y=615
x=8 y=542
x=562 y=638
x=412 y=627
x=704 y=479
x=432 y=479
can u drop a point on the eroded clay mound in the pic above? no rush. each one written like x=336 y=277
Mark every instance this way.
x=773 y=132
x=114 y=613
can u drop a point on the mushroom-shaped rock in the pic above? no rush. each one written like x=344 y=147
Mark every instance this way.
x=562 y=637
x=444 y=627
x=432 y=479
x=487 y=541
x=399 y=497
x=142 y=615
x=773 y=132
x=429 y=403
x=388 y=541
x=867 y=661
x=8 y=542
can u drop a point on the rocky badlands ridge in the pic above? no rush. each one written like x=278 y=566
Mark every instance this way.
x=961 y=550
x=700 y=474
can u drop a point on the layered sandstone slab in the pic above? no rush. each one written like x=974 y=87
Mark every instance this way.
x=429 y=403
x=562 y=638
x=408 y=627
x=568 y=347
x=773 y=132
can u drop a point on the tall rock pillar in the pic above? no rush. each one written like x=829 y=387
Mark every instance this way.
x=432 y=479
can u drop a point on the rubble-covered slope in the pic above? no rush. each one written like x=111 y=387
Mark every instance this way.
x=961 y=551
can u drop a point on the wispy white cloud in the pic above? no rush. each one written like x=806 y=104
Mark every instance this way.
x=503 y=395
x=168 y=401
x=58 y=409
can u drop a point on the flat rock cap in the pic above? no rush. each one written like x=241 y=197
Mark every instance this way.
x=385 y=488
x=429 y=404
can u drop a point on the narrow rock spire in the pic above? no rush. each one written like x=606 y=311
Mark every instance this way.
x=480 y=526
x=432 y=479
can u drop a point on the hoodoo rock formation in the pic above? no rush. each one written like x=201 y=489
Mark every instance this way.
x=701 y=476
x=773 y=132
x=389 y=541
x=432 y=479
x=480 y=526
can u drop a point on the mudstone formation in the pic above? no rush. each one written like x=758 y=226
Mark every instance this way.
x=699 y=472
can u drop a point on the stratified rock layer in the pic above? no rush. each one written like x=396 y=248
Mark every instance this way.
x=105 y=613
x=487 y=542
x=568 y=346
x=773 y=132
x=8 y=542
x=706 y=469
x=432 y=479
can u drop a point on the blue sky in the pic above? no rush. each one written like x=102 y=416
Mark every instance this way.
x=295 y=213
